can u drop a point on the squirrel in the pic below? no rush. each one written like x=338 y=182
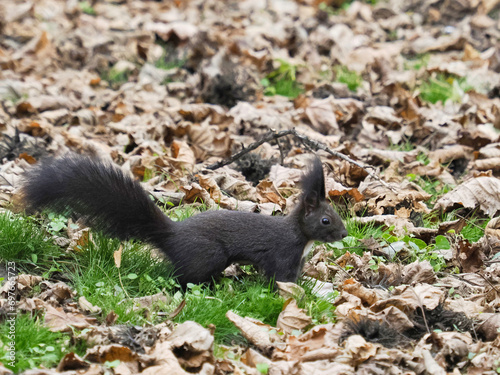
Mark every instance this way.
x=200 y=247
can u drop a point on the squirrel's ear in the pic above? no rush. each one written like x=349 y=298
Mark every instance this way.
x=313 y=186
x=311 y=201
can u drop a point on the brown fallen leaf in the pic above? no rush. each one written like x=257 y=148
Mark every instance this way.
x=257 y=334
x=110 y=353
x=481 y=192
x=493 y=228
x=321 y=342
x=182 y=156
x=469 y=255
x=320 y=113
x=193 y=342
x=290 y=290
x=56 y=293
x=418 y=272
x=72 y=361
x=87 y=307
x=367 y=296
x=293 y=318
x=359 y=349
x=408 y=298
x=398 y=199
x=252 y=358
x=268 y=193
x=431 y=366
x=489 y=328
x=60 y=321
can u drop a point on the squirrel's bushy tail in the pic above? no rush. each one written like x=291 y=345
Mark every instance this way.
x=100 y=193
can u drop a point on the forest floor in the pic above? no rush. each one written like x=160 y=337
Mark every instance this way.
x=400 y=101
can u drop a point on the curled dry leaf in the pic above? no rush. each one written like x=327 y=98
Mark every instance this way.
x=211 y=184
x=408 y=298
x=29 y=304
x=317 y=344
x=252 y=358
x=182 y=156
x=193 y=341
x=359 y=349
x=268 y=208
x=493 y=228
x=24 y=283
x=180 y=29
x=233 y=183
x=290 y=290
x=193 y=345
x=396 y=318
x=197 y=113
x=268 y=193
x=367 y=296
x=257 y=333
x=481 y=192
x=398 y=199
x=489 y=328
x=320 y=114
x=60 y=321
x=72 y=361
x=87 y=307
x=110 y=353
x=207 y=140
x=469 y=255
x=452 y=347
x=418 y=272
x=195 y=193
x=448 y=154
x=56 y=293
x=96 y=335
x=431 y=366
x=293 y=318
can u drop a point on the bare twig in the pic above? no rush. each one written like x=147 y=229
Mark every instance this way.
x=272 y=135
x=305 y=140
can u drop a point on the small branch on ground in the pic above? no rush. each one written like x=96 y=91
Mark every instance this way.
x=305 y=140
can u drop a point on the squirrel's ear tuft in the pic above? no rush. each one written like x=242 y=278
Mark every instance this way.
x=313 y=186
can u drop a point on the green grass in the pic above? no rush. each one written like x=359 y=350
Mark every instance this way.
x=23 y=242
x=442 y=87
x=253 y=297
x=474 y=229
x=334 y=10
x=115 y=78
x=433 y=187
x=357 y=231
x=87 y=8
x=185 y=211
x=171 y=58
x=282 y=81
x=35 y=345
x=320 y=309
x=352 y=79
x=406 y=248
x=95 y=276
x=417 y=62
x=166 y=62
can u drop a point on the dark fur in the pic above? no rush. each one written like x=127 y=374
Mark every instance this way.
x=199 y=247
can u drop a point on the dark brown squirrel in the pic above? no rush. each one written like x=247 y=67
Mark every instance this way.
x=200 y=247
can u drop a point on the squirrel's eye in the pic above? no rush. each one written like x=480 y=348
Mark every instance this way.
x=325 y=221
